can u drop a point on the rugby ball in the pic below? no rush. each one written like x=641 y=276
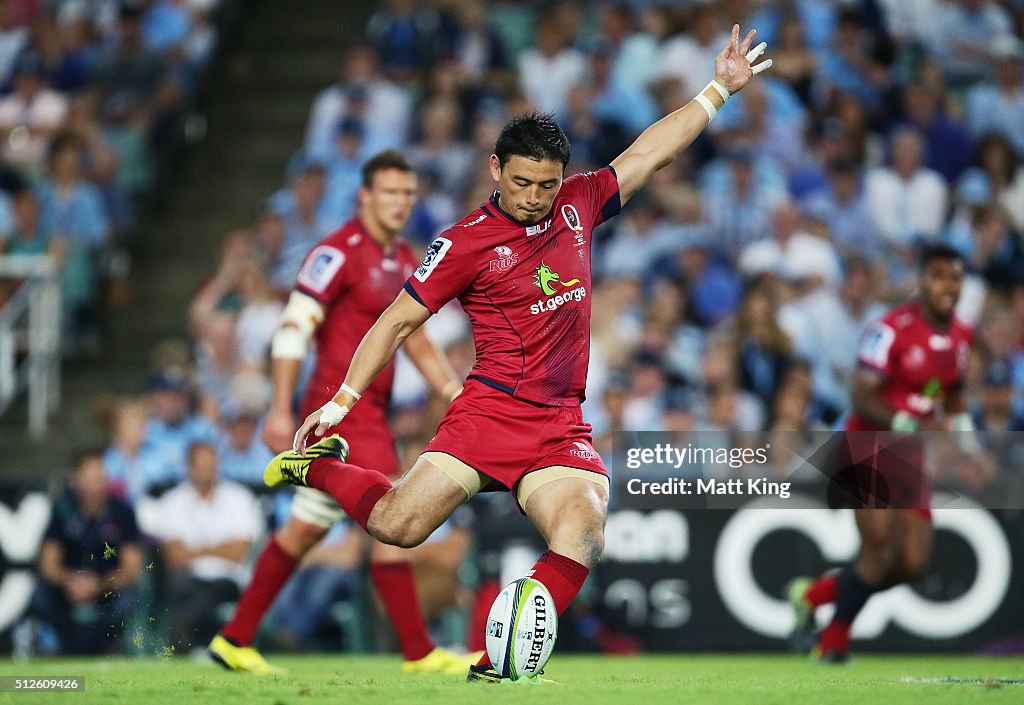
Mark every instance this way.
x=521 y=629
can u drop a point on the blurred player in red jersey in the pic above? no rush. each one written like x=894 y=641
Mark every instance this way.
x=520 y=266
x=347 y=280
x=911 y=377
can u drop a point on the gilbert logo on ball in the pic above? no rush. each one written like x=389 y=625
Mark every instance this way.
x=521 y=629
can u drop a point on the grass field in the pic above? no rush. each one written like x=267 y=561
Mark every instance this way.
x=708 y=679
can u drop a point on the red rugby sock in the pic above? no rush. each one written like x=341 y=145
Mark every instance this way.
x=835 y=637
x=823 y=590
x=396 y=586
x=357 y=490
x=273 y=568
x=563 y=577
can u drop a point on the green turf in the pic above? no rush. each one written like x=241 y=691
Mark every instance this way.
x=708 y=679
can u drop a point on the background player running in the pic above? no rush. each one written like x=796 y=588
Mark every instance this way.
x=347 y=280
x=520 y=266
x=911 y=377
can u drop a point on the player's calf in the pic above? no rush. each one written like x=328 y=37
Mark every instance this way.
x=418 y=503
x=398 y=529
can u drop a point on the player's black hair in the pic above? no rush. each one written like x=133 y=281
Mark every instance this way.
x=938 y=251
x=388 y=159
x=534 y=136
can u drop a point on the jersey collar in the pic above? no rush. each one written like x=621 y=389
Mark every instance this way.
x=387 y=254
x=541 y=226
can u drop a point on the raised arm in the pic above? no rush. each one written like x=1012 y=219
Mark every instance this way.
x=375 y=351
x=662 y=142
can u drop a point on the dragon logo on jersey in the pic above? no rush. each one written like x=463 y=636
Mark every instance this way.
x=572 y=218
x=545 y=277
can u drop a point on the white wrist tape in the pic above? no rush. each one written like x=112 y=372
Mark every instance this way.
x=708 y=106
x=722 y=90
x=904 y=422
x=354 y=393
x=706 y=103
x=332 y=413
x=289 y=343
x=299 y=320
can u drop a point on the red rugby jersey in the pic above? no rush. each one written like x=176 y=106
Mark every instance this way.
x=919 y=364
x=526 y=289
x=354 y=280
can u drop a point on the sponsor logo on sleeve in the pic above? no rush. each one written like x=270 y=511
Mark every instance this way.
x=435 y=253
x=876 y=344
x=322 y=264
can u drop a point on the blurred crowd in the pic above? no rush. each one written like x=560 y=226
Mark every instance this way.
x=93 y=94
x=728 y=297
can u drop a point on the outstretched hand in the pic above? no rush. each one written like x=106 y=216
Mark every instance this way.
x=301 y=438
x=734 y=66
x=318 y=423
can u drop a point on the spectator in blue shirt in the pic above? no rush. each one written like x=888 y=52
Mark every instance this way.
x=737 y=205
x=614 y=100
x=72 y=210
x=852 y=64
x=303 y=213
x=23 y=232
x=172 y=428
x=165 y=26
x=948 y=148
x=640 y=240
x=73 y=206
x=633 y=55
x=999 y=416
x=842 y=205
x=964 y=31
x=130 y=464
x=241 y=455
x=405 y=36
x=998 y=105
x=477 y=48
x=343 y=176
x=817 y=16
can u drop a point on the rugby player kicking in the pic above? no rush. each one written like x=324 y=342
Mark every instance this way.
x=520 y=266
